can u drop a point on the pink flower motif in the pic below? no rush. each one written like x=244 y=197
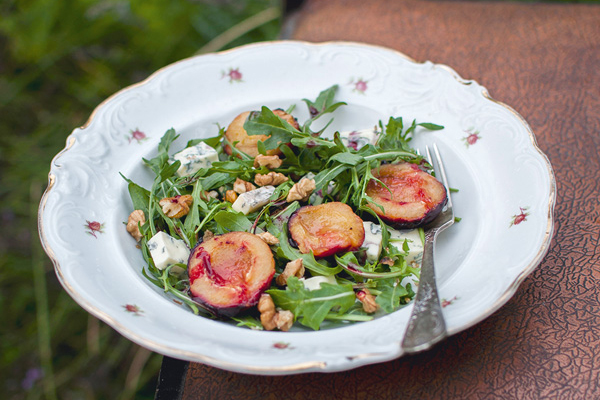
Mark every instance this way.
x=93 y=227
x=137 y=135
x=132 y=308
x=522 y=216
x=360 y=85
x=446 y=303
x=281 y=345
x=234 y=75
x=471 y=138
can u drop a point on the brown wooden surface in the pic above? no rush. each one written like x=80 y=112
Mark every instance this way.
x=544 y=61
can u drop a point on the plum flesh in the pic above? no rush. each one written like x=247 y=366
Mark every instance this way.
x=228 y=273
x=410 y=198
x=326 y=229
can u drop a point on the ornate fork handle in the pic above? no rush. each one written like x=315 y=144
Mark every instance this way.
x=426 y=325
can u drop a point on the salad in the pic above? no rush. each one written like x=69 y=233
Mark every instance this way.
x=271 y=223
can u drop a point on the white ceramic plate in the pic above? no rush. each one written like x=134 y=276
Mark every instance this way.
x=506 y=196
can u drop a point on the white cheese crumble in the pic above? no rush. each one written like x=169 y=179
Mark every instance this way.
x=194 y=158
x=373 y=241
x=359 y=139
x=253 y=200
x=314 y=283
x=166 y=250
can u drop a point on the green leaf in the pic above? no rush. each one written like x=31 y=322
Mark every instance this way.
x=232 y=221
x=324 y=103
x=430 y=126
x=248 y=322
x=347 y=158
x=312 y=307
x=216 y=180
x=139 y=196
x=267 y=123
x=391 y=292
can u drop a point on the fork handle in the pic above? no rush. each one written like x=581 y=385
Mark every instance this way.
x=426 y=325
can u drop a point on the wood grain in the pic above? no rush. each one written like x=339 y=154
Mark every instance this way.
x=544 y=61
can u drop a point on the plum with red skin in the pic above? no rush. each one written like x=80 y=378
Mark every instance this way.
x=326 y=229
x=229 y=272
x=410 y=198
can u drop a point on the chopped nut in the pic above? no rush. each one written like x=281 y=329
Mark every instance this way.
x=367 y=300
x=272 y=178
x=268 y=238
x=271 y=318
x=206 y=196
x=231 y=196
x=137 y=216
x=241 y=186
x=293 y=268
x=387 y=261
x=176 y=207
x=284 y=319
x=271 y=162
x=301 y=190
x=207 y=235
x=266 y=307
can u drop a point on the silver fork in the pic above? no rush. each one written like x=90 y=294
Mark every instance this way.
x=426 y=325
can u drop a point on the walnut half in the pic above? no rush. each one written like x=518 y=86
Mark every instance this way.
x=301 y=190
x=177 y=206
x=367 y=300
x=293 y=268
x=270 y=318
x=271 y=162
x=272 y=178
x=135 y=220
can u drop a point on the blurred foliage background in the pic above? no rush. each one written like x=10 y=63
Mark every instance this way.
x=58 y=61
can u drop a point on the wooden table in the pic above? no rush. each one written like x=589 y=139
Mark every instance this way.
x=544 y=61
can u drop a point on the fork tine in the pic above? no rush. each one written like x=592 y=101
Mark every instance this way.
x=428 y=156
x=442 y=172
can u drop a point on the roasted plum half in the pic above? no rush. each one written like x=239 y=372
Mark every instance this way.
x=229 y=272
x=248 y=143
x=410 y=198
x=326 y=229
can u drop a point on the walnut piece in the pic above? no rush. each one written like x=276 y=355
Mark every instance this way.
x=271 y=318
x=367 y=300
x=272 y=178
x=137 y=216
x=231 y=196
x=301 y=190
x=241 y=186
x=206 y=196
x=284 y=319
x=271 y=162
x=268 y=238
x=293 y=268
x=207 y=235
x=177 y=206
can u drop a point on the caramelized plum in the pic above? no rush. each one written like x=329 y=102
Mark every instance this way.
x=326 y=229
x=229 y=272
x=410 y=197
x=248 y=143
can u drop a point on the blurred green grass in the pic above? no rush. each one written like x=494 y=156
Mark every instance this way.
x=58 y=60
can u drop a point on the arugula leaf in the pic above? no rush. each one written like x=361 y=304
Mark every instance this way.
x=324 y=103
x=347 y=158
x=391 y=293
x=248 y=322
x=268 y=123
x=232 y=221
x=311 y=307
x=139 y=196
